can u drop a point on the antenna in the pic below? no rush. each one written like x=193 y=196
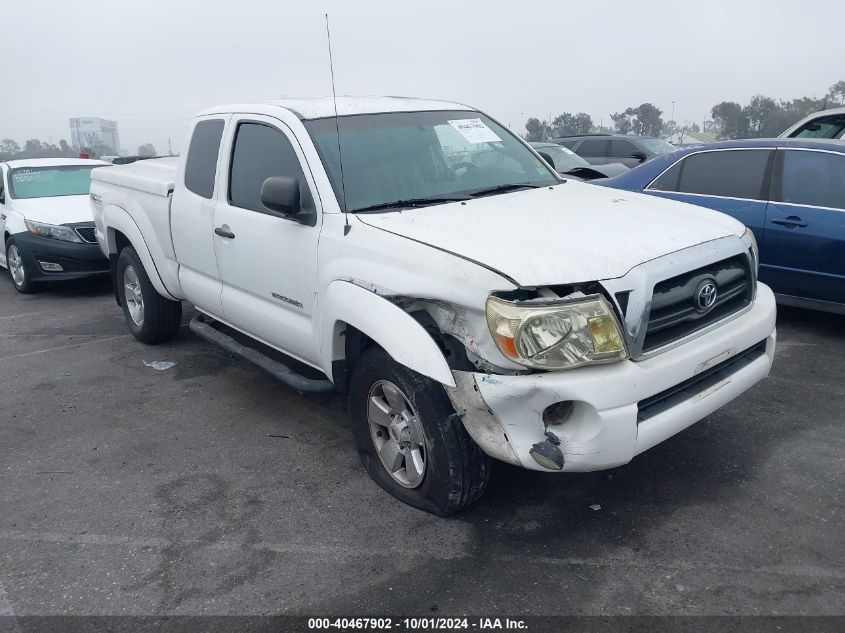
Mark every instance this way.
x=346 y=226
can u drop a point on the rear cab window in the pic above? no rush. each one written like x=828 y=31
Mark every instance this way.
x=201 y=163
x=727 y=174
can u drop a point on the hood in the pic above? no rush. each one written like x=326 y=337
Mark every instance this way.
x=55 y=210
x=573 y=232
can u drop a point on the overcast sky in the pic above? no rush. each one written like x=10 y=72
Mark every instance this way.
x=150 y=64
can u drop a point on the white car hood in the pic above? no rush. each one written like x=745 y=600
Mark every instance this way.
x=573 y=232
x=55 y=210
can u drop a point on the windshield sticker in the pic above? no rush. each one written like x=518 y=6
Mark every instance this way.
x=475 y=131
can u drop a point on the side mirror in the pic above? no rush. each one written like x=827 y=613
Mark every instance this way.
x=280 y=195
x=2 y=194
x=547 y=158
x=640 y=156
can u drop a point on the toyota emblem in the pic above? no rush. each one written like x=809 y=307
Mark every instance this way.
x=705 y=295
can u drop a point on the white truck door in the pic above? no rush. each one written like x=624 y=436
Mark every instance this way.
x=192 y=215
x=267 y=263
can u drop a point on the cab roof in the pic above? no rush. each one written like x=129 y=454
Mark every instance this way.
x=322 y=107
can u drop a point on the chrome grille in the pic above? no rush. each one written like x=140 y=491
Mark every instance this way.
x=87 y=233
x=679 y=304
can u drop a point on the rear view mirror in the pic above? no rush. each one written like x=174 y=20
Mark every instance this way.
x=640 y=156
x=280 y=195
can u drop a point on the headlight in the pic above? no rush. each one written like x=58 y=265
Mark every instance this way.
x=557 y=335
x=748 y=238
x=55 y=231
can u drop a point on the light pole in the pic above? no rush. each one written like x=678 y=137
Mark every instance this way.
x=673 y=111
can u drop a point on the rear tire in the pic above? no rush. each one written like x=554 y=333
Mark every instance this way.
x=438 y=468
x=151 y=318
x=19 y=275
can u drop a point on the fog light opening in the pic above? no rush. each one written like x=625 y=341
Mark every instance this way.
x=51 y=267
x=557 y=413
x=547 y=453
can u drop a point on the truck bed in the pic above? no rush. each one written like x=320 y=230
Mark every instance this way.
x=156 y=176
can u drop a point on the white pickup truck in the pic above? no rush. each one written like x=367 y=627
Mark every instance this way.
x=419 y=257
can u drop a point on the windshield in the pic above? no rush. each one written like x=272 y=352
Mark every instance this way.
x=833 y=127
x=413 y=156
x=47 y=182
x=563 y=159
x=656 y=146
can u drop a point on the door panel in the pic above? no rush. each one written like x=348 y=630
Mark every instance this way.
x=804 y=254
x=752 y=213
x=192 y=216
x=268 y=268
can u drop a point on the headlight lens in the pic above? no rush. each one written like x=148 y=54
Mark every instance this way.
x=558 y=335
x=748 y=238
x=57 y=232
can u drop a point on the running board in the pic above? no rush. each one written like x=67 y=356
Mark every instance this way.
x=203 y=328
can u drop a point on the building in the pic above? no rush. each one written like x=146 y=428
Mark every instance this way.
x=92 y=131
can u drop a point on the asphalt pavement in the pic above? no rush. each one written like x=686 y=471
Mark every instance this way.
x=209 y=488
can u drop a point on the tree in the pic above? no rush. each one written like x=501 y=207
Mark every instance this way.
x=644 y=120
x=762 y=116
x=537 y=131
x=730 y=120
x=567 y=124
x=836 y=95
x=647 y=121
x=33 y=148
x=9 y=149
x=622 y=121
x=147 y=149
x=64 y=148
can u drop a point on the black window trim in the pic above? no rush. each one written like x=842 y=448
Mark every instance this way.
x=776 y=189
x=291 y=138
x=764 y=189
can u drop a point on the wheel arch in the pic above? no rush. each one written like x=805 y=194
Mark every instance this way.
x=355 y=318
x=122 y=231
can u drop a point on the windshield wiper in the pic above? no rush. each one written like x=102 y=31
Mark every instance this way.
x=502 y=188
x=410 y=202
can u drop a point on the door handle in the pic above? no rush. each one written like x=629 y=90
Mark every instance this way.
x=224 y=233
x=792 y=221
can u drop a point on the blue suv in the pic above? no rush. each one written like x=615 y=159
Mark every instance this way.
x=790 y=192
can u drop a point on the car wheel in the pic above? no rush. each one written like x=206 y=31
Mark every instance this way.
x=409 y=438
x=150 y=317
x=18 y=273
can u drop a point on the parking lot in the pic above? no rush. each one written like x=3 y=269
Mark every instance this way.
x=209 y=488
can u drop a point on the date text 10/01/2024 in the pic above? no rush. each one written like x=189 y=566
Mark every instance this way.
x=415 y=624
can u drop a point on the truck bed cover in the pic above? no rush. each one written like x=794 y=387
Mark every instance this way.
x=156 y=176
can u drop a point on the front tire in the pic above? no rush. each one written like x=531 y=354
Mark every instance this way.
x=18 y=273
x=151 y=318
x=409 y=439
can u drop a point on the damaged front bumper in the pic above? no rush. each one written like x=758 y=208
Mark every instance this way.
x=618 y=410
